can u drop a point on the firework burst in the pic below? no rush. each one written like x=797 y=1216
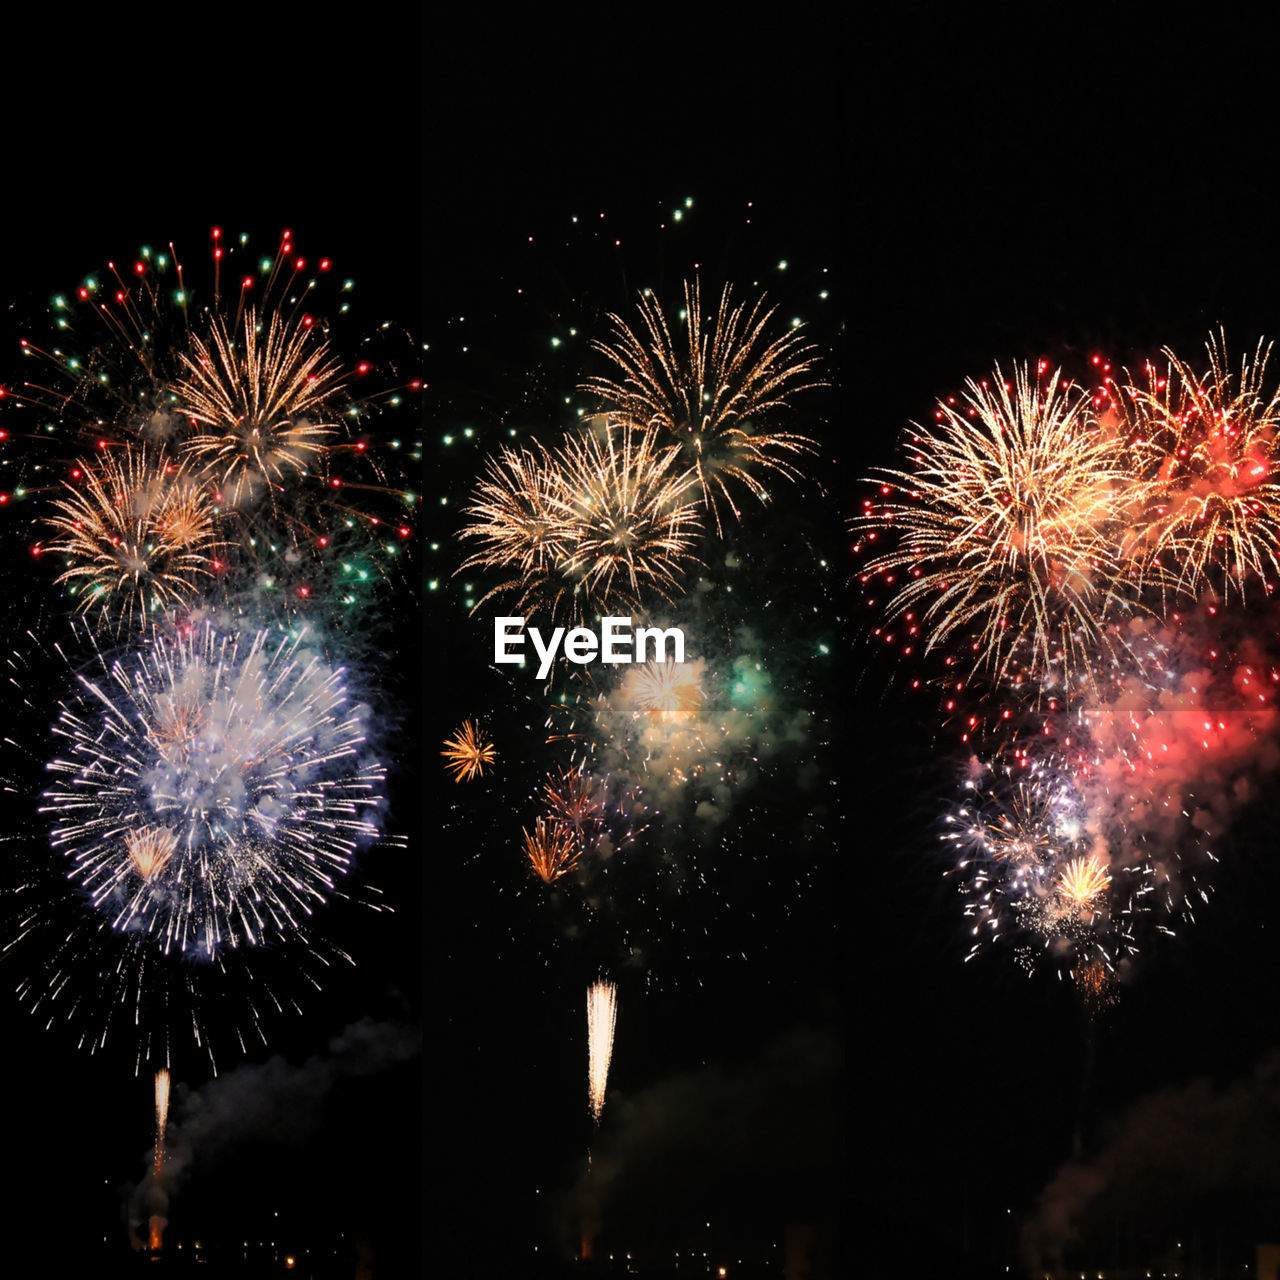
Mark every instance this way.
x=599 y=525
x=553 y=849
x=571 y=800
x=467 y=753
x=261 y=402
x=251 y=394
x=201 y=833
x=668 y=690
x=1209 y=443
x=711 y=390
x=136 y=533
x=1004 y=530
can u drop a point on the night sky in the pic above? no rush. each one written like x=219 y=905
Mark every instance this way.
x=799 y=1037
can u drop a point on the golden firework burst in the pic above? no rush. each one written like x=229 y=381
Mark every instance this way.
x=571 y=800
x=137 y=535
x=262 y=403
x=711 y=390
x=1005 y=527
x=150 y=848
x=668 y=690
x=1083 y=879
x=600 y=524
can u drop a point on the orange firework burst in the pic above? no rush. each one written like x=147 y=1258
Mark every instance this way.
x=467 y=753
x=136 y=534
x=150 y=848
x=553 y=849
x=1210 y=443
x=1083 y=879
x=1007 y=525
x=261 y=403
x=711 y=390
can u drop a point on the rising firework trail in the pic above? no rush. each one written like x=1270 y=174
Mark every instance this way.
x=602 y=1012
x=156 y=1225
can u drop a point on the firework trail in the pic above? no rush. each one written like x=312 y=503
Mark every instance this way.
x=162 y=1115
x=602 y=1013
x=156 y=1224
x=213 y=787
x=711 y=390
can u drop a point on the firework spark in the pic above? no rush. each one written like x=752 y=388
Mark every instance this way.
x=1006 y=527
x=468 y=753
x=1210 y=443
x=711 y=391
x=260 y=404
x=137 y=536
x=233 y=830
x=553 y=849
x=602 y=1014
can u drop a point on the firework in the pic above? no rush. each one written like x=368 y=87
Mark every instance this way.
x=468 y=753
x=597 y=526
x=668 y=690
x=1209 y=443
x=1083 y=879
x=156 y=1225
x=517 y=519
x=570 y=798
x=250 y=395
x=1024 y=863
x=711 y=390
x=627 y=511
x=602 y=1013
x=137 y=536
x=202 y=831
x=553 y=849
x=1005 y=527
x=260 y=403
x=162 y=1115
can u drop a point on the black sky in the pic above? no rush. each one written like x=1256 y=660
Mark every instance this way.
x=981 y=189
